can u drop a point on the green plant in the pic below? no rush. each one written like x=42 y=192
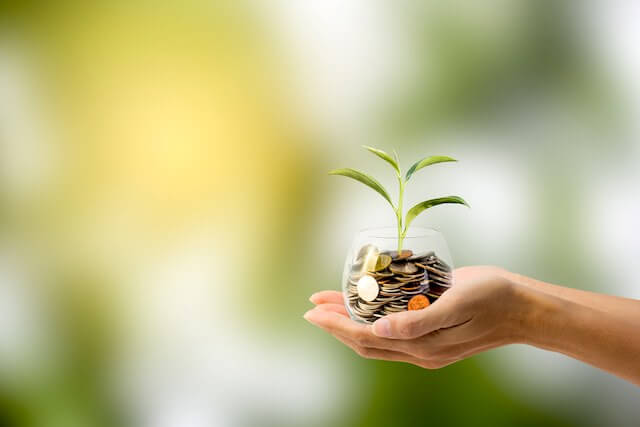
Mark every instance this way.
x=403 y=225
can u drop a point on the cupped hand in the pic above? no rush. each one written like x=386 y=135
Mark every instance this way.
x=483 y=310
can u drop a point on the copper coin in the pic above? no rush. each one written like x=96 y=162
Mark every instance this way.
x=418 y=302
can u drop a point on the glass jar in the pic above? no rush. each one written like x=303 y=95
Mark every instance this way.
x=378 y=280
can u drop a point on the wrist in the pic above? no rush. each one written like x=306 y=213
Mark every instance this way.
x=540 y=316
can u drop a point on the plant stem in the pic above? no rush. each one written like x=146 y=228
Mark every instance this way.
x=399 y=212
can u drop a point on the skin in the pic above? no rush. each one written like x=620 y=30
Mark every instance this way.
x=490 y=307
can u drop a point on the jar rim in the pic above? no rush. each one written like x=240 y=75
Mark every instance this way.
x=390 y=232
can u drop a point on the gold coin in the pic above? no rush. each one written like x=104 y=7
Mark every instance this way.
x=382 y=262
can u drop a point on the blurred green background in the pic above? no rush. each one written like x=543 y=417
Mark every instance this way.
x=165 y=210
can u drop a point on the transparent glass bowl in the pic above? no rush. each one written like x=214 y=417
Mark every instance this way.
x=377 y=280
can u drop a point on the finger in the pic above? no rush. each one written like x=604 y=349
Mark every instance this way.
x=396 y=356
x=463 y=351
x=434 y=362
x=323 y=297
x=389 y=355
x=336 y=308
x=440 y=363
x=360 y=334
x=448 y=336
x=415 y=323
x=458 y=342
x=463 y=340
x=379 y=354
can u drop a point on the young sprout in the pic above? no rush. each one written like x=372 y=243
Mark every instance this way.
x=403 y=224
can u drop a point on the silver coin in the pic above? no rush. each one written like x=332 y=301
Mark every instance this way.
x=421 y=255
x=403 y=268
x=368 y=288
x=365 y=250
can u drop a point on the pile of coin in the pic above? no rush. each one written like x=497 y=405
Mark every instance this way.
x=385 y=282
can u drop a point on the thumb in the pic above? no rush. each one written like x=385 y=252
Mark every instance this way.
x=412 y=324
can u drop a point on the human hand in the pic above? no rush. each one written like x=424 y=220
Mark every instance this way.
x=483 y=310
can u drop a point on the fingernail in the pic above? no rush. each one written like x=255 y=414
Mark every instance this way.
x=311 y=298
x=307 y=316
x=382 y=328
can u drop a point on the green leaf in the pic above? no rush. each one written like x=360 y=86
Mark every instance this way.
x=384 y=156
x=365 y=179
x=426 y=162
x=422 y=206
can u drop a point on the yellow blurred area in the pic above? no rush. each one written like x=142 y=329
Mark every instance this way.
x=168 y=116
x=166 y=158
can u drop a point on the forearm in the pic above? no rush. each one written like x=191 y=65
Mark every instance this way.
x=578 y=329
x=626 y=308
